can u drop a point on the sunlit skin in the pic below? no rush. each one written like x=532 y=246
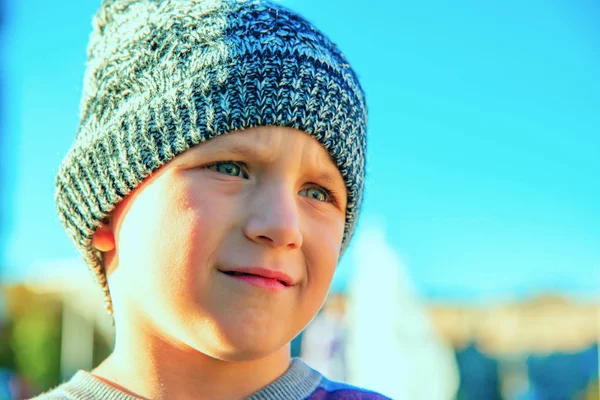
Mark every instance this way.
x=268 y=197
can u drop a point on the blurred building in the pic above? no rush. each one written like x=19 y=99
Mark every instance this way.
x=542 y=348
x=537 y=326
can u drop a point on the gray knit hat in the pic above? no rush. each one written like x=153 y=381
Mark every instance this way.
x=165 y=75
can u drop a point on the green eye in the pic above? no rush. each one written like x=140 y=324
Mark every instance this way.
x=317 y=193
x=230 y=168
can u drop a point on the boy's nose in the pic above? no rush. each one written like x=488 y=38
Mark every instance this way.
x=274 y=220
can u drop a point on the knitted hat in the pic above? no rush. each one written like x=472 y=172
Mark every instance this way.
x=165 y=75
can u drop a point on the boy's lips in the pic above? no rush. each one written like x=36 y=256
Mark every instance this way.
x=261 y=276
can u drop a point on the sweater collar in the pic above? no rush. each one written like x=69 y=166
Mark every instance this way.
x=296 y=383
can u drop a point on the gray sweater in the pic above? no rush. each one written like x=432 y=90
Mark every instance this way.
x=297 y=383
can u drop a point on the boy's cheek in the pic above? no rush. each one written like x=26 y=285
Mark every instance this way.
x=167 y=230
x=323 y=238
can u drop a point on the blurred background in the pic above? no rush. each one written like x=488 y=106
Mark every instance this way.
x=475 y=270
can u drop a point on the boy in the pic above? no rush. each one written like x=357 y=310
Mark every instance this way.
x=215 y=179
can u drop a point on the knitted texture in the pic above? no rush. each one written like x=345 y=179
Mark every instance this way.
x=165 y=75
x=299 y=382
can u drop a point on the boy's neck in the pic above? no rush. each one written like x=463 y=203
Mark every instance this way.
x=152 y=368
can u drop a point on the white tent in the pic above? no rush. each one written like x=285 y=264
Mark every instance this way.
x=392 y=346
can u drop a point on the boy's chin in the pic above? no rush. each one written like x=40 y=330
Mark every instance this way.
x=241 y=355
x=239 y=352
x=242 y=345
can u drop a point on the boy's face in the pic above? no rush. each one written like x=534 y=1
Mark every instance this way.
x=268 y=199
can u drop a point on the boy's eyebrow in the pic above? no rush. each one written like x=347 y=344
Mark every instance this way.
x=220 y=147
x=328 y=179
x=243 y=150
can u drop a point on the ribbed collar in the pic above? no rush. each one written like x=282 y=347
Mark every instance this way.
x=295 y=384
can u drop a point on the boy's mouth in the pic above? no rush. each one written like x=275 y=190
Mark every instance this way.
x=260 y=276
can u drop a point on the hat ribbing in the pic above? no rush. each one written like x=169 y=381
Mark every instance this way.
x=164 y=76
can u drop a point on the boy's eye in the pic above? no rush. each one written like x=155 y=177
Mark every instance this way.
x=316 y=193
x=230 y=168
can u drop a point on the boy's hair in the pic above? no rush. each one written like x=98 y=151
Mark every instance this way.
x=164 y=76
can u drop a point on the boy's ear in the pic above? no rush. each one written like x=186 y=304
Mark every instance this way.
x=104 y=238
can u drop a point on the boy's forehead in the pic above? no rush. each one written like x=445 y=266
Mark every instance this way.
x=267 y=144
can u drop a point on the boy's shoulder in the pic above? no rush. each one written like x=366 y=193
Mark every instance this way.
x=83 y=386
x=332 y=390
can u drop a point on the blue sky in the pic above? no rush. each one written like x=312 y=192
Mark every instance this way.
x=483 y=140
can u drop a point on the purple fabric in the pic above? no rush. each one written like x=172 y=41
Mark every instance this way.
x=345 y=394
x=331 y=390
